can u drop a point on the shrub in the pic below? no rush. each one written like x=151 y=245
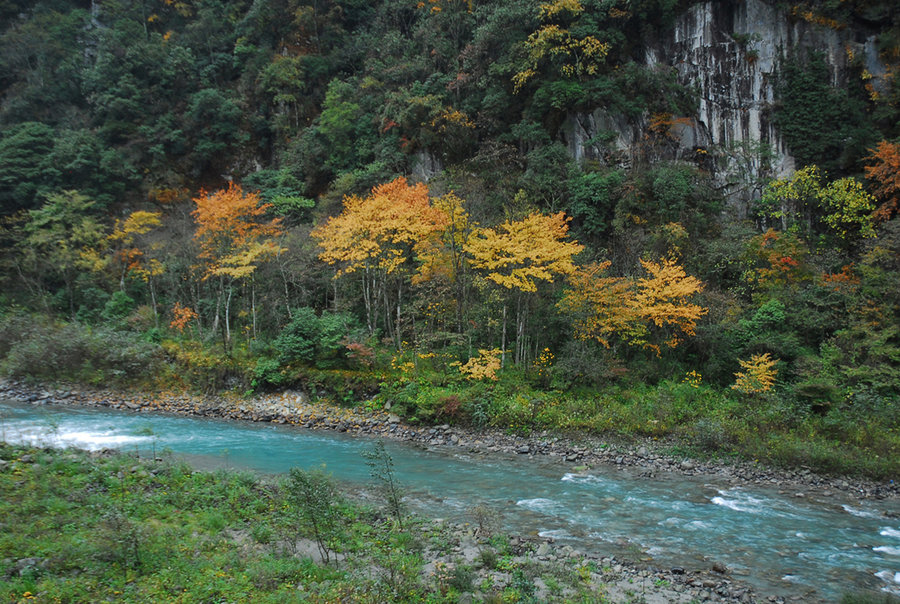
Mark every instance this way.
x=311 y=338
x=76 y=352
x=314 y=498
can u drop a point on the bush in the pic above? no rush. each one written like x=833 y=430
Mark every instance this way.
x=76 y=352
x=310 y=338
x=314 y=501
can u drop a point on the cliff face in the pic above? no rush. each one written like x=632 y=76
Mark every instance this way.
x=728 y=51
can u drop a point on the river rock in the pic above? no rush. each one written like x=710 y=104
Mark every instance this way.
x=393 y=419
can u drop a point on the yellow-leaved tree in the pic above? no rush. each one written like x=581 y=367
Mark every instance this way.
x=442 y=255
x=663 y=301
x=234 y=240
x=642 y=312
x=518 y=255
x=758 y=376
x=129 y=255
x=601 y=306
x=377 y=237
x=563 y=42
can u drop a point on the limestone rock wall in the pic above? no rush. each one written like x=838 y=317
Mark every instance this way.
x=728 y=51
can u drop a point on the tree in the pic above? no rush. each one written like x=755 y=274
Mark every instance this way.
x=803 y=203
x=443 y=256
x=603 y=307
x=517 y=255
x=23 y=167
x=316 y=503
x=61 y=238
x=577 y=55
x=663 y=300
x=130 y=257
x=885 y=175
x=233 y=240
x=759 y=376
x=377 y=237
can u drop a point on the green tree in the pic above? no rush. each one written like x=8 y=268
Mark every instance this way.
x=24 y=172
x=61 y=239
x=805 y=205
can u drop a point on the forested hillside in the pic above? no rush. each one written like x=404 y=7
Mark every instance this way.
x=380 y=200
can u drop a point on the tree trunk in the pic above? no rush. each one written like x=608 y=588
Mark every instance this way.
x=153 y=301
x=228 y=320
x=368 y=287
x=253 y=306
x=503 y=340
x=397 y=326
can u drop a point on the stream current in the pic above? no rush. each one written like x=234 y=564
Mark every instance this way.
x=778 y=543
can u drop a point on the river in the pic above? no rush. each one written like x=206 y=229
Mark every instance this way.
x=778 y=543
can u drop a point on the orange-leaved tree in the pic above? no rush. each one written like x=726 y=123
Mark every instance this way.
x=885 y=176
x=377 y=237
x=234 y=240
x=518 y=255
x=442 y=255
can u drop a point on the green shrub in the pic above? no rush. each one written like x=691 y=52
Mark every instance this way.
x=76 y=352
x=314 y=502
x=311 y=338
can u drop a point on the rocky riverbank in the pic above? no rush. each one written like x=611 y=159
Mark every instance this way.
x=647 y=459
x=478 y=562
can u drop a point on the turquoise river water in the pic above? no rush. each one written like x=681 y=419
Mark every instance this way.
x=778 y=543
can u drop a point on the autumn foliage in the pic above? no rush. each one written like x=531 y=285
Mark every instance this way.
x=520 y=254
x=379 y=236
x=758 y=376
x=379 y=231
x=640 y=312
x=885 y=176
x=232 y=233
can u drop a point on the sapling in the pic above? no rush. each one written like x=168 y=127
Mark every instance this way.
x=315 y=500
x=381 y=468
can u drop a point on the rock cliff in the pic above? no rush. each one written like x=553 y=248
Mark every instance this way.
x=728 y=51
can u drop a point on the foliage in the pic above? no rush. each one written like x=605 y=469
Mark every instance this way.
x=61 y=237
x=377 y=237
x=379 y=231
x=232 y=239
x=483 y=367
x=48 y=351
x=315 y=502
x=821 y=124
x=759 y=375
x=310 y=338
x=884 y=172
x=381 y=467
x=603 y=307
x=843 y=206
x=113 y=119
x=517 y=255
